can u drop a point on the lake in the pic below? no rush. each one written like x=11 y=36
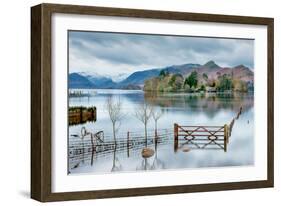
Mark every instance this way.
x=210 y=109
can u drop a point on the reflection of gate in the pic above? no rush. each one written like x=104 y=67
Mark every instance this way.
x=201 y=137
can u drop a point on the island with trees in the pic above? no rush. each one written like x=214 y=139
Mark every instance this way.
x=237 y=79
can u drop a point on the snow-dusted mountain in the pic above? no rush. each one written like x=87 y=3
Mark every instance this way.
x=137 y=79
x=119 y=77
x=77 y=81
x=99 y=80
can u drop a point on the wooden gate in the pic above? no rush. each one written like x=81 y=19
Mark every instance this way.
x=201 y=137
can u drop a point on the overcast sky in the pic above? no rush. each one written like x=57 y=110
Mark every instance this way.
x=115 y=53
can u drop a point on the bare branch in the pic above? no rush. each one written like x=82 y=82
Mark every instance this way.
x=156 y=114
x=143 y=112
x=114 y=108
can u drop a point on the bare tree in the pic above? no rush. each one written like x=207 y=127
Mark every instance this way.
x=143 y=113
x=114 y=108
x=156 y=115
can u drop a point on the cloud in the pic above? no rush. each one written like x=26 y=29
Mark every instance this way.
x=114 y=53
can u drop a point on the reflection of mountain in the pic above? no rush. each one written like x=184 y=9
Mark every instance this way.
x=136 y=79
x=210 y=104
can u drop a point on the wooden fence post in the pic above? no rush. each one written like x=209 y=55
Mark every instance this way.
x=176 y=137
x=155 y=139
x=93 y=150
x=128 y=144
x=92 y=112
x=81 y=114
x=95 y=113
x=225 y=137
x=83 y=151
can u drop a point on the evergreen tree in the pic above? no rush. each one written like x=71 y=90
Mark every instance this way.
x=205 y=76
x=192 y=80
x=163 y=73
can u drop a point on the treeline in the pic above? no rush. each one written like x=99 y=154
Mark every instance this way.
x=195 y=82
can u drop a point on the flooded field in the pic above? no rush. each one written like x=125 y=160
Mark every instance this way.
x=93 y=148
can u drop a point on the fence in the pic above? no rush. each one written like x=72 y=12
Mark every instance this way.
x=88 y=146
x=202 y=136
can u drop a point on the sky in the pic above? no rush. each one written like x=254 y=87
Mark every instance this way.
x=112 y=54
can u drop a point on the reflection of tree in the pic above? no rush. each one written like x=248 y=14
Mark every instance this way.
x=116 y=165
x=145 y=165
x=207 y=102
x=157 y=163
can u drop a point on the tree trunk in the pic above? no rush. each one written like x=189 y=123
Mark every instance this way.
x=155 y=125
x=114 y=133
x=156 y=135
x=83 y=151
x=114 y=159
x=145 y=133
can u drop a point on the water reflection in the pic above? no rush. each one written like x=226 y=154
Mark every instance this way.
x=184 y=109
x=116 y=165
x=157 y=162
x=145 y=165
x=208 y=103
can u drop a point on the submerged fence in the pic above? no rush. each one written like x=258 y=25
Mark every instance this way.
x=87 y=146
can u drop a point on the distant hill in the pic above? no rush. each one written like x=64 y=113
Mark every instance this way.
x=211 y=64
x=77 y=81
x=119 y=77
x=101 y=82
x=137 y=79
x=210 y=75
x=213 y=71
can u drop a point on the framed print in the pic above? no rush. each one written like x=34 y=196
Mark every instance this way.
x=130 y=102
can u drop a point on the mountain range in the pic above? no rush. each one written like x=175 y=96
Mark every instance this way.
x=136 y=79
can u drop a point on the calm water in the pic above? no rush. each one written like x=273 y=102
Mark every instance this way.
x=184 y=109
